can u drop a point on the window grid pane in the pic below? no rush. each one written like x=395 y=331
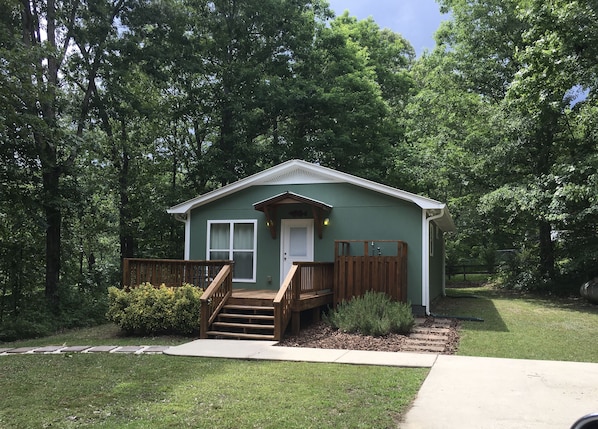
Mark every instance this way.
x=243 y=236
x=220 y=236
x=298 y=241
x=243 y=268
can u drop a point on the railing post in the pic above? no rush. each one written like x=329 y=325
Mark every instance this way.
x=277 y=321
x=126 y=273
x=297 y=284
x=203 y=323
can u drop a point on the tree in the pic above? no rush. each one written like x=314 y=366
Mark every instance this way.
x=52 y=52
x=34 y=53
x=524 y=59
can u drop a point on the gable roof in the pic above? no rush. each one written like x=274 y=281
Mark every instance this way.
x=301 y=172
x=290 y=197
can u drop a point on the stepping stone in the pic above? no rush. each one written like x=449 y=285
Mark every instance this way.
x=422 y=330
x=99 y=349
x=48 y=349
x=156 y=349
x=21 y=350
x=441 y=323
x=422 y=343
x=440 y=330
x=426 y=337
x=4 y=350
x=74 y=349
x=424 y=348
x=127 y=349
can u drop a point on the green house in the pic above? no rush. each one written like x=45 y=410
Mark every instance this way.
x=299 y=211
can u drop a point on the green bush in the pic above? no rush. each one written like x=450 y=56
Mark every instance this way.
x=23 y=328
x=147 y=310
x=372 y=314
x=33 y=318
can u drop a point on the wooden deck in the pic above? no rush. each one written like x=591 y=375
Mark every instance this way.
x=306 y=300
x=266 y=313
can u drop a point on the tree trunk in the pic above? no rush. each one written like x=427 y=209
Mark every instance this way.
x=46 y=146
x=53 y=216
x=127 y=240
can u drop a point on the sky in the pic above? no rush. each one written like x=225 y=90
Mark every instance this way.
x=415 y=20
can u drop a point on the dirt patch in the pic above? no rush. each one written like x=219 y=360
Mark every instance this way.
x=429 y=335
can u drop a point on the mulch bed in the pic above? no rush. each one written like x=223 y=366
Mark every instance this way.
x=429 y=335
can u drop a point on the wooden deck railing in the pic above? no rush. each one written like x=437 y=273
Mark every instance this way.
x=214 y=298
x=314 y=277
x=303 y=278
x=359 y=269
x=283 y=303
x=170 y=272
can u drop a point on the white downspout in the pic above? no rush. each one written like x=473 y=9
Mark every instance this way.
x=426 y=258
x=186 y=219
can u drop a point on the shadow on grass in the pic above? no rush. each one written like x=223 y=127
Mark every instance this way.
x=573 y=303
x=460 y=303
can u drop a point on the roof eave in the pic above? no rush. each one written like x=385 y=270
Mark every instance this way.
x=330 y=174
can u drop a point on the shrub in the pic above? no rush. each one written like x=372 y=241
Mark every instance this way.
x=372 y=314
x=33 y=318
x=23 y=328
x=147 y=310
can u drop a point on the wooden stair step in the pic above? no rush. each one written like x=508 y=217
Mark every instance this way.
x=240 y=335
x=243 y=325
x=248 y=308
x=246 y=316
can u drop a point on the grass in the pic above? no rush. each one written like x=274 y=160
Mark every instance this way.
x=523 y=326
x=139 y=391
x=107 y=334
x=130 y=391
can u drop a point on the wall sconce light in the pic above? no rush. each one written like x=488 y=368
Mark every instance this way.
x=326 y=222
x=269 y=223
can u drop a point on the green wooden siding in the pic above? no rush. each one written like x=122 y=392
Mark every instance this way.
x=357 y=214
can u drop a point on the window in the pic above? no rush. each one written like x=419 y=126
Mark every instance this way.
x=234 y=240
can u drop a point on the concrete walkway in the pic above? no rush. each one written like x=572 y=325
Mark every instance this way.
x=266 y=350
x=487 y=393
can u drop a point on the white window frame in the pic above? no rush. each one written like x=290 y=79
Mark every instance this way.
x=231 y=223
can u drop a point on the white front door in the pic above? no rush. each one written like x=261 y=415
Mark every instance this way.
x=297 y=243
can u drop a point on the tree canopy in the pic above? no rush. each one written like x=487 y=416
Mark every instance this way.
x=113 y=110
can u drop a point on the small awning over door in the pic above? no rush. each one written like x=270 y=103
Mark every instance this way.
x=269 y=206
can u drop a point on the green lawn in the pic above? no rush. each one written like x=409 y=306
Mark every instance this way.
x=523 y=326
x=114 y=391
x=159 y=391
x=108 y=334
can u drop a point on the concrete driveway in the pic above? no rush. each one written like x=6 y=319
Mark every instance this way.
x=483 y=393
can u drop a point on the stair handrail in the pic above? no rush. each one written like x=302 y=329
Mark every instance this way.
x=283 y=303
x=214 y=298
